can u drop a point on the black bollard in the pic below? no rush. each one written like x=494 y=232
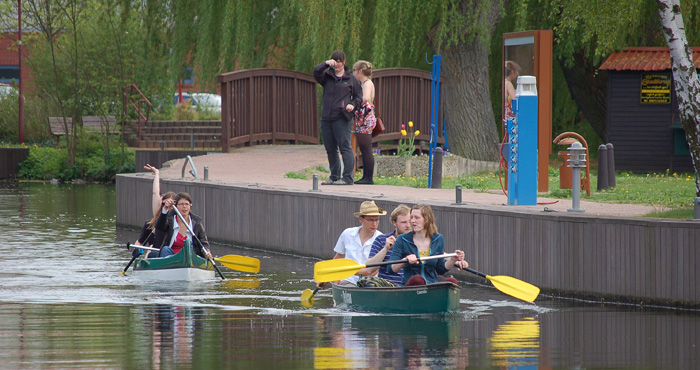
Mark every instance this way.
x=602 y=167
x=436 y=179
x=611 y=166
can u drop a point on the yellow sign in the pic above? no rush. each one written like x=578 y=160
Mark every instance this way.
x=656 y=88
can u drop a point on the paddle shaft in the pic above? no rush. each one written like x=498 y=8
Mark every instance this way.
x=130 y=262
x=444 y=255
x=476 y=272
x=142 y=247
x=339 y=269
x=128 y=245
x=194 y=236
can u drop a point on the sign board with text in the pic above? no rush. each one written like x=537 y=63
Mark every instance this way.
x=655 y=88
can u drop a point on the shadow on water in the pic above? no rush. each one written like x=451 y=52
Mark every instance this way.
x=63 y=304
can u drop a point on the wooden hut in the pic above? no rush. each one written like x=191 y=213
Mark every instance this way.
x=642 y=119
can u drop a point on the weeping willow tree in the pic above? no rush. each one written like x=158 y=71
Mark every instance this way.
x=216 y=36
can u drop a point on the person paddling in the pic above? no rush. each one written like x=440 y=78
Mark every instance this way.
x=355 y=242
x=177 y=232
x=424 y=241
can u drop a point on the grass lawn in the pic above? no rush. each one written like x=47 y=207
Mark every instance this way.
x=674 y=191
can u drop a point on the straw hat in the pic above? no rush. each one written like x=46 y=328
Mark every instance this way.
x=368 y=208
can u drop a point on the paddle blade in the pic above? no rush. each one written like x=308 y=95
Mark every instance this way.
x=338 y=269
x=307 y=298
x=514 y=287
x=240 y=263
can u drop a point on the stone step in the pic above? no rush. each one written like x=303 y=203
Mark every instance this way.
x=165 y=124
x=180 y=144
x=181 y=130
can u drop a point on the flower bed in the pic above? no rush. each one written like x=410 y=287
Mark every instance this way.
x=452 y=166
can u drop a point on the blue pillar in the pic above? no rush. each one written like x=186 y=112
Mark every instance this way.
x=522 y=145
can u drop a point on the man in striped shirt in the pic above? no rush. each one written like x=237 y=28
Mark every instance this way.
x=380 y=252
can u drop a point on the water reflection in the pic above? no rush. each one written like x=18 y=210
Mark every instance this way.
x=516 y=344
x=172 y=335
x=398 y=342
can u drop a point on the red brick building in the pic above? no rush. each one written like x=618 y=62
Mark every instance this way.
x=9 y=61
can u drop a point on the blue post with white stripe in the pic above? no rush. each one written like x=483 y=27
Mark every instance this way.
x=522 y=144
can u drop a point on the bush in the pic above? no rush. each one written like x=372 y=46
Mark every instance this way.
x=185 y=112
x=43 y=164
x=91 y=161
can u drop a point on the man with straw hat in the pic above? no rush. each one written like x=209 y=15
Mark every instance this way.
x=355 y=242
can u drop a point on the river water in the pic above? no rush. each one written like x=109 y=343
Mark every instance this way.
x=64 y=305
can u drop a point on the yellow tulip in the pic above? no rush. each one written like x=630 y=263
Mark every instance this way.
x=410 y=123
x=417 y=132
x=403 y=132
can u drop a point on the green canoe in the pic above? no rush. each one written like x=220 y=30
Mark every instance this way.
x=437 y=298
x=185 y=265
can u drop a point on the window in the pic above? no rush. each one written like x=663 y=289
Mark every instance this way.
x=9 y=74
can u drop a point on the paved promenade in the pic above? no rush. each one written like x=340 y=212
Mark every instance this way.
x=265 y=166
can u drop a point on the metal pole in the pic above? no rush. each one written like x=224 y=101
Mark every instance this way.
x=602 y=167
x=611 y=165
x=458 y=194
x=21 y=84
x=577 y=160
x=437 y=169
x=206 y=173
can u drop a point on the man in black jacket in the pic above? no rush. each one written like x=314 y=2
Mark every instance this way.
x=342 y=93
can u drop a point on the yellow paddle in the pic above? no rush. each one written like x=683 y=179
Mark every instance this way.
x=342 y=268
x=232 y=261
x=240 y=263
x=511 y=286
x=307 y=298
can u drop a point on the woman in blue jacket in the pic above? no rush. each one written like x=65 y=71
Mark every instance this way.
x=423 y=241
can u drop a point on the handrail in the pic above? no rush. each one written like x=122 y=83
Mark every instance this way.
x=184 y=166
x=129 y=91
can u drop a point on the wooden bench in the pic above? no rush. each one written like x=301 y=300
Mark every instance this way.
x=100 y=124
x=58 y=127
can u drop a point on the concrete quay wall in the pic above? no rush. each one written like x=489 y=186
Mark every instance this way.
x=601 y=258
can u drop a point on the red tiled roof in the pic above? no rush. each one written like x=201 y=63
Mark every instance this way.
x=644 y=59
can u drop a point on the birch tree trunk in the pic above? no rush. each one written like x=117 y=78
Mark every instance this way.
x=685 y=78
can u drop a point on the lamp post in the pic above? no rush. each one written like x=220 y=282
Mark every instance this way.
x=577 y=160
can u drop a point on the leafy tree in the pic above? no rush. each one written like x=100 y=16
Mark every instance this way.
x=220 y=36
x=84 y=54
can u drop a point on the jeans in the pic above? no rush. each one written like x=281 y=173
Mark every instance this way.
x=338 y=135
x=166 y=251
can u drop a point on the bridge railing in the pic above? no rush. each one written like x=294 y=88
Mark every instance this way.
x=261 y=106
